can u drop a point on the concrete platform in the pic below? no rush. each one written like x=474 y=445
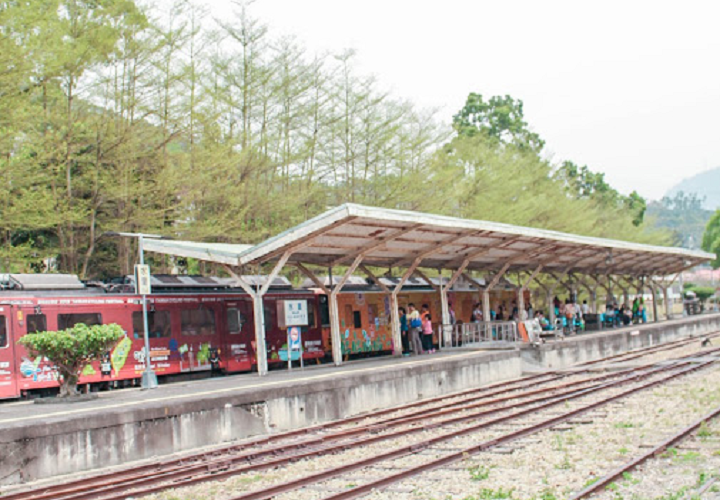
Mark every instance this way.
x=39 y=441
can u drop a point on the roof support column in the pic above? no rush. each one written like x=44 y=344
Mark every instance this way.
x=592 y=292
x=522 y=313
x=335 y=312
x=664 y=286
x=653 y=290
x=394 y=307
x=258 y=312
x=548 y=300
x=626 y=294
x=666 y=300
x=486 y=292
x=447 y=326
x=599 y=283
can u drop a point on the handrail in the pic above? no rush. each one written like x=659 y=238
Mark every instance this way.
x=469 y=334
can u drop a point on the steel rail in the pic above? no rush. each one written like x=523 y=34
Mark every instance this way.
x=223 y=467
x=410 y=449
x=618 y=472
x=364 y=489
x=88 y=483
x=214 y=461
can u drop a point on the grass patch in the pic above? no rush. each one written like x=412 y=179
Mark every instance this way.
x=590 y=482
x=479 y=472
x=624 y=425
x=488 y=494
x=690 y=457
x=704 y=431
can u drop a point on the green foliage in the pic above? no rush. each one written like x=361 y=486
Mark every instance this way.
x=624 y=425
x=490 y=494
x=500 y=118
x=590 y=482
x=72 y=349
x=581 y=183
x=711 y=238
x=704 y=431
x=702 y=292
x=684 y=215
x=479 y=472
x=114 y=116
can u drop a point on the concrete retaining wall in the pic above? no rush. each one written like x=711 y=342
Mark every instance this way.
x=69 y=445
x=583 y=348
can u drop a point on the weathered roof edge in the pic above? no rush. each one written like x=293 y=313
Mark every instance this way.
x=348 y=210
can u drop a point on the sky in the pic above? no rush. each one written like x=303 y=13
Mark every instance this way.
x=628 y=88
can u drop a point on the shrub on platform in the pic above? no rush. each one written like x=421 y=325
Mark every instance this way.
x=71 y=350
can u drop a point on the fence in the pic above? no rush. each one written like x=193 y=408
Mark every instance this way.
x=473 y=334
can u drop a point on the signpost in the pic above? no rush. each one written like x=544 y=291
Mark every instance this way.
x=294 y=344
x=296 y=316
x=142 y=286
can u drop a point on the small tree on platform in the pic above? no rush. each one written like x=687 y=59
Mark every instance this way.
x=72 y=349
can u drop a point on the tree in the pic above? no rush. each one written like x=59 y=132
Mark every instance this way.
x=582 y=183
x=72 y=349
x=500 y=117
x=711 y=238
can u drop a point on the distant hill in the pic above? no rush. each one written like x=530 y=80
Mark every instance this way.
x=705 y=185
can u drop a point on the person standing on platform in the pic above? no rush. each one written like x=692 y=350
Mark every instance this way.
x=585 y=308
x=415 y=326
x=427 y=330
x=404 y=331
x=477 y=314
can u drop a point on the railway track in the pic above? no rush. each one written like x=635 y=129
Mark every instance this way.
x=516 y=399
x=672 y=440
x=448 y=449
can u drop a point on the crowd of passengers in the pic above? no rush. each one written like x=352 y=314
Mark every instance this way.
x=417 y=331
x=572 y=315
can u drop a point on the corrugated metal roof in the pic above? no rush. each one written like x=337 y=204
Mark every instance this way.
x=45 y=282
x=224 y=253
x=394 y=238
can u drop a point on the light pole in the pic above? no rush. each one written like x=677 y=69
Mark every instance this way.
x=142 y=286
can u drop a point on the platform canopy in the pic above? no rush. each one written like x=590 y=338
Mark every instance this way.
x=395 y=238
x=358 y=237
x=222 y=253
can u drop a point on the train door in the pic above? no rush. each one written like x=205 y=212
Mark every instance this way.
x=239 y=334
x=8 y=375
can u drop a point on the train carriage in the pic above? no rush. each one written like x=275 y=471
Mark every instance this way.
x=189 y=319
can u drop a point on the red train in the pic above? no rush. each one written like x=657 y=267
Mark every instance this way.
x=192 y=320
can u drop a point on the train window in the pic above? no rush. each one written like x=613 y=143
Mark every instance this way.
x=357 y=319
x=3 y=332
x=199 y=321
x=324 y=311
x=36 y=323
x=348 y=315
x=158 y=324
x=69 y=320
x=269 y=317
x=311 y=315
x=372 y=313
x=235 y=320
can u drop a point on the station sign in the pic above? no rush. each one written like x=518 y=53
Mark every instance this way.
x=296 y=313
x=142 y=279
